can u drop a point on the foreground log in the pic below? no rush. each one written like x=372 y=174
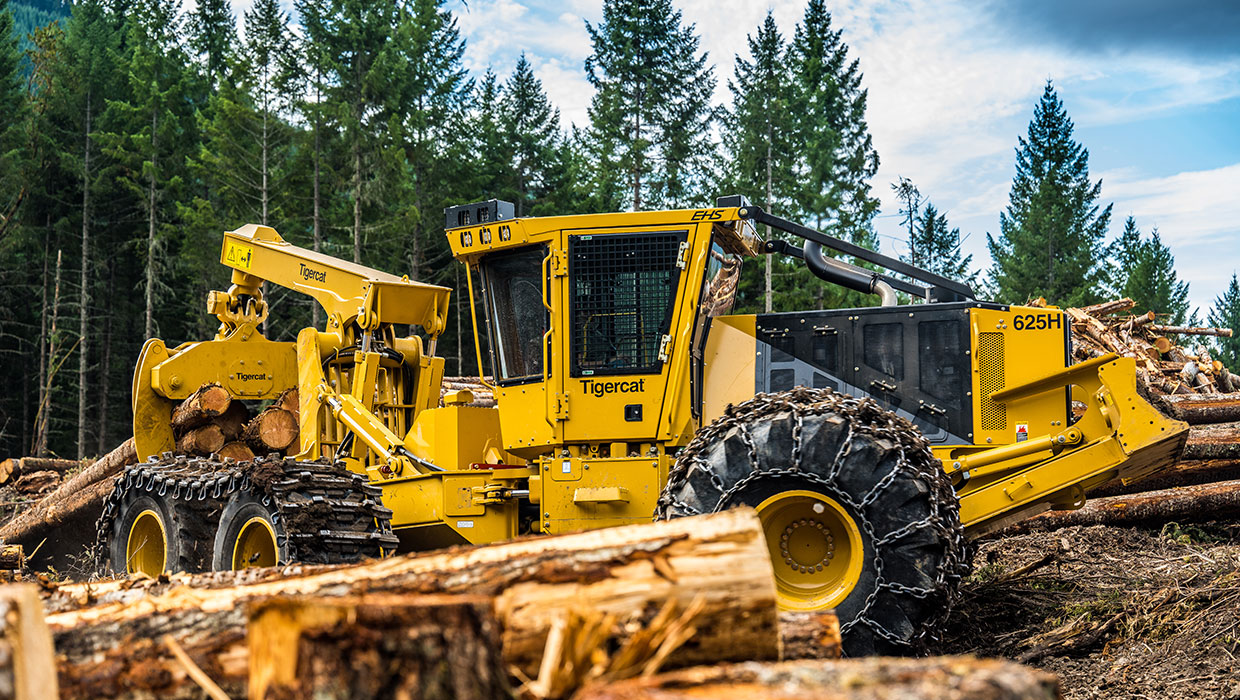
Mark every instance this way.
x=1215 y=441
x=1201 y=503
x=1196 y=409
x=809 y=635
x=273 y=430
x=27 y=666
x=718 y=563
x=72 y=508
x=378 y=646
x=209 y=401
x=11 y=469
x=201 y=441
x=942 y=678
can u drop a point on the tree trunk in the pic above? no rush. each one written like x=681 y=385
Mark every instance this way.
x=18 y=466
x=318 y=219
x=43 y=416
x=273 y=430
x=876 y=678
x=151 y=254
x=84 y=288
x=717 y=563
x=1204 y=408
x=1204 y=502
x=379 y=646
x=36 y=446
x=357 y=199
x=1215 y=441
x=27 y=658
x=769 y=296
x=202 y=441
x=209 y=401
x=105 y=369
x=1182 y=474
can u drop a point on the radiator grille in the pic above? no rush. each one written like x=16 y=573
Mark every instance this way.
x=991 y=373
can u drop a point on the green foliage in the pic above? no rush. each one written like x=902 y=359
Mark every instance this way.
x=212 y=36
x=650 y=115
x=1225 y=313
x=532 y=125
x=1050 y=241
x=1144 y=271
x=936 y=248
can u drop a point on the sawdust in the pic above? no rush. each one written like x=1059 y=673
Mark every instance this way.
x=1115 y=612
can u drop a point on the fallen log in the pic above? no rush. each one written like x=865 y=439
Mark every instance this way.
x=1107 y=308
x=232 y=421
x=1182 y=474
x=1214 y=441
x=813 y=634
x=15 y=467
x=1200 y=503
x=36 y=483
x=72 y=508
x=209 y=401
x=202 y=440
x=1203 y=408
x=273 y=430
x=875 y=678
x=718 y=563
x=1187 y=330
x=237 y=451
x=376 y=646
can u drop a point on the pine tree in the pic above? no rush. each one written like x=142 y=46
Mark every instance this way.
x=1124 y=253
x=532 y=129
x=1050 y=241
x=212 y=36
x=839 y=153
x=761 y=132
x=935 y=247
x=1225 y=313
x=12 y=115
x=1148 y=275
x=650 y=116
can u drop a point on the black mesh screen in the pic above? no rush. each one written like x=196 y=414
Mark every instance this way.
x=884 y=348
x=623 y=293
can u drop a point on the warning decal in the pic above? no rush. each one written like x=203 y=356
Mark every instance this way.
x=238 y=256
x=1022 y=432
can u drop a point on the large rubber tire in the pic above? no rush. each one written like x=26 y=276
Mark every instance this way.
x=129 y=547
x=241 y=541
x=891 y=492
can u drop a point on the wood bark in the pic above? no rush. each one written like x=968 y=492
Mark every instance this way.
x=27 y=659
x=811 y=634
x=273 y=430
x=378 y=646
x=79 y=500
x=1214 y=441
x=289 y=400
x=209 y=401
x=203 y=440
x=36 y=483
x=1186 y=330
x=1107 y=308
x=1182 y=474
x=233 y=420
x=237 y=451
x=1199 y=503
x=17 y=466
x=718 y=563
x=875 y=678
x=1208 y=408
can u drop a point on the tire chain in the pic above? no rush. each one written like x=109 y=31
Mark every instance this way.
x=915 y=460
x=196 y=481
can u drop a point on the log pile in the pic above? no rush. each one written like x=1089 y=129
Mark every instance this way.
x=1163 y=366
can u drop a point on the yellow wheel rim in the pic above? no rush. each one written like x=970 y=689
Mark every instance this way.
x=815 y=547
x=147 y=547
x=255 y=545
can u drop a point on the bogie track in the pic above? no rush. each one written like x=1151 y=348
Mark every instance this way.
x=322 y=513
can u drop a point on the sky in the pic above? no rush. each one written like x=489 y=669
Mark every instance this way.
x=1152 y=86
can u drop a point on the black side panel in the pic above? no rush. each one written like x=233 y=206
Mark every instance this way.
x=911 y=359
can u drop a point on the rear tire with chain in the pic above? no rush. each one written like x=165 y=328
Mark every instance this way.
x=858 y=513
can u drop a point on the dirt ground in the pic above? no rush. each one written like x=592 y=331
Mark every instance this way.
x=1115 y=612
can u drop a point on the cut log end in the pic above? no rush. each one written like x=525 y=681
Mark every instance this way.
x=275 y=429
x=200 y=407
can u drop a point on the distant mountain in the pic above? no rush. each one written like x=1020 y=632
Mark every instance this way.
x=29 y=15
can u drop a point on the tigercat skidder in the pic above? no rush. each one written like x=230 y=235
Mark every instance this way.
x=873 y=442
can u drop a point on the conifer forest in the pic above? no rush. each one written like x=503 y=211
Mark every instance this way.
x=133 y=132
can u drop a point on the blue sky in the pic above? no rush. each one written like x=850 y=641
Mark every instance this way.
x=1153 y=87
